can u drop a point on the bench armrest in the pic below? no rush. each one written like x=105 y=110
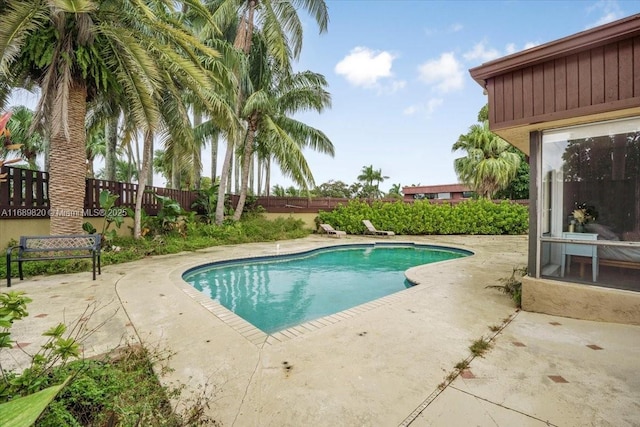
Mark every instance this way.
x=10 y=249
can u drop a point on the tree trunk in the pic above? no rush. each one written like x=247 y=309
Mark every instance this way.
x=175 y=174
x=149 y=173
x=147 y=155
x=68 y=167
x=197 y=154
x=246 y=165
x=223 y=182
x=259 y=171
x=214 y=157
x=112 y=146
x=267 y=178
x=237 y=183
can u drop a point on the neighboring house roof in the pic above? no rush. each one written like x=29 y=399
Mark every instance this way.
x=445 y=188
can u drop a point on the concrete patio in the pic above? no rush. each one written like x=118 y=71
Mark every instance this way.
x=379 y=364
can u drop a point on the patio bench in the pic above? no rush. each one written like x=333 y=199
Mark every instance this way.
x=46 y=248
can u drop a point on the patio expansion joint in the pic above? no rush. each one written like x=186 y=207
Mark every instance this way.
x=434 y=394
x=475 y=396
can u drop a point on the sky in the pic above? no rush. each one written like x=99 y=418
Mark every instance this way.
x=398 y=74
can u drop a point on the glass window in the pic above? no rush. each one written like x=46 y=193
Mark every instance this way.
x=444 y=196
x=590 y=191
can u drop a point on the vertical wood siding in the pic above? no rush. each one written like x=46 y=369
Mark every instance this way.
x=601 y=79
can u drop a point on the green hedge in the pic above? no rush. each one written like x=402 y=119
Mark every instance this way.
x=422 y=217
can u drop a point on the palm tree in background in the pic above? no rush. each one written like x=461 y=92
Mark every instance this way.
x=368 y=176
x=279 y=22
x=76 y=49
x=488 y=165
x=278 y=94
x=26 y=133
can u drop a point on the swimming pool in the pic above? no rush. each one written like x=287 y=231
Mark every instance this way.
x=276 y=292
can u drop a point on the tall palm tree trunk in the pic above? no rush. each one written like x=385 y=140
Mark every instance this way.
x=246 y=165
x=68 y=167
x=147 y=155
x=175 y=174
x=112 y=145
x=214 y=156
x=197 y=154
x=223 y=183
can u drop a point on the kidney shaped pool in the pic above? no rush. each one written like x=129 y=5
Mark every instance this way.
x=277 y=292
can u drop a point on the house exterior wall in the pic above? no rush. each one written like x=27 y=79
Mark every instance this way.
x=598 y=80
x=589 y=77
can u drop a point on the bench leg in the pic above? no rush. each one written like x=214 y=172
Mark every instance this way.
x=20 y=270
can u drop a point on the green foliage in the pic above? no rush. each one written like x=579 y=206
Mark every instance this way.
x=192 y=236
x=422 y=217
x=518 y=188
x=13 y=306
x=119 y=391
x=111 y=215
x=480 y=347
x=24 y=411
x=512 y=285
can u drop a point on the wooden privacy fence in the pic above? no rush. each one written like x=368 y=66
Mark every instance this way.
x=25 y=194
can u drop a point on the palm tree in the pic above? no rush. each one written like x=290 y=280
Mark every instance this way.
x=29 y=136
x=368 y=176
x=395 y=191
x=488 y=166
x=277 y=95
x=77 y=49
x=282 y=30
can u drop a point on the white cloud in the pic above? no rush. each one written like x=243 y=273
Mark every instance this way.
x=433 y=104
x=609 y=11
x=482 y=53
x=411 y=110
x=391 y=88
x=444 y=73
x=529 y=45
x=365 y=67
x=427 y=109
x=455 y=28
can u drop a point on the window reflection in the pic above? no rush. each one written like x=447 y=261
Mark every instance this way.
x=590 y=192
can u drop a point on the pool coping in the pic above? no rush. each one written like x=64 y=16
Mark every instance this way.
x=260 y=338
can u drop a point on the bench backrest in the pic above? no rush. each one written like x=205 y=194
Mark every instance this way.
x=90 y=242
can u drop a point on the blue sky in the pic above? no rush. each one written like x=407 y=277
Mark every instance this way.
x=399 y=79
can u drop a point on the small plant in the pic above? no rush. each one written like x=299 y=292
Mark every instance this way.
x=480 y=346
x=462 y=365
x=111 y=215
x=512 y=285
x=121 y=388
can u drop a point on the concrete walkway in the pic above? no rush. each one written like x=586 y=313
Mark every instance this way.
x=385 y=363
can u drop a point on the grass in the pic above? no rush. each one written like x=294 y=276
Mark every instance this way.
x=480 y=347
x=191 y=237
x=122 y=390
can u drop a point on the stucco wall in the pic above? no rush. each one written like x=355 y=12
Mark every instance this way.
x=14 y=228
x=308 y=218
x=580 y=301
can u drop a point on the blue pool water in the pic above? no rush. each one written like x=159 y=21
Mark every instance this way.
x=275 y=293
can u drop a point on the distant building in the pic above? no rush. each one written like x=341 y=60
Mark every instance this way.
x=437 y=192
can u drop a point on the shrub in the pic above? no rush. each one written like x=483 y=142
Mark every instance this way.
x=423 y=217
